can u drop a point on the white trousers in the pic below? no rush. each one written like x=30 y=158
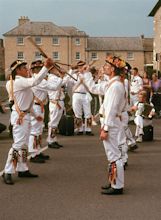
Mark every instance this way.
x=122 y=143
x=20 y=138
x=140 y=123
x=113 y=153
x=55 y=116
x=129 y=137
x=36 y=130
x=82 y=105
x=133 y=99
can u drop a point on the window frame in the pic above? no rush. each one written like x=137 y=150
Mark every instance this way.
x=130 y=57
x=20 y=57
x=94 y=58
x=76 y=55
x=57 y=43
x=38 y=57
x=58 y=57
x=38 y=43
x=77 y=43
x=19 y=42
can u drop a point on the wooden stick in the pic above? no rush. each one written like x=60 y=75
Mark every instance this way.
x=45 y=56
x=64 y=64
x=35 y=45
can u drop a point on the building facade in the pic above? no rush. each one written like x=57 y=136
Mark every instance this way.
x=2 y=64
x=69 y=45
x=156 y=13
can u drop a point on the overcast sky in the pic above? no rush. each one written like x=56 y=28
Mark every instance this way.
x=95 y=17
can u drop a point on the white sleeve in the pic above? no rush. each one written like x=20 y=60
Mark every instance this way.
x=33 y=81
x=98 y=89
x=53 y=84
x=140 y=83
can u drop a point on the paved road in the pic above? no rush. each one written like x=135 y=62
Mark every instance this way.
x=68 y=187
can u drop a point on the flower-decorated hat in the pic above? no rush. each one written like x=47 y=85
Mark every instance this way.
x=16 y=64
x=116 y=61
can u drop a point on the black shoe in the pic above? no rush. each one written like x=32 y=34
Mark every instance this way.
x=132 y=148
x=80 y=133
x=7 y=178
x=43 y=156
x=27 y=174
x=112 y=191
x=106 y=186
x=59 y=145
x=53 y=145
x=125 y=165
x=37 y=159
x=89 y=133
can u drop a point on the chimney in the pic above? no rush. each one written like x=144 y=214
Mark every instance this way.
x=23 y=20
x=142 y=36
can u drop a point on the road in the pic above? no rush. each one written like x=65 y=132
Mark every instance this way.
x=69 y=184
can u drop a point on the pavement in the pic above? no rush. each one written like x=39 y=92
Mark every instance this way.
x=69 y=184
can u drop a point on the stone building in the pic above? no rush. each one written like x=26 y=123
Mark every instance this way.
x=156 y=13
x=69 y=45
x=137 y=51
x=2 y=65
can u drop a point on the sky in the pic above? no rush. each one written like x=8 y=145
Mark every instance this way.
x=96 y=17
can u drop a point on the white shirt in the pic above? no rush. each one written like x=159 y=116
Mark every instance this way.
x=114 y=102
x=99 y=88
x=22 y=89
x=57 y=94
x=77 y=87
x=41 y=90
x=136 y=84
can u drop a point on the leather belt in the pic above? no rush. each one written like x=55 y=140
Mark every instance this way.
x=81 y=93
x=36 y=103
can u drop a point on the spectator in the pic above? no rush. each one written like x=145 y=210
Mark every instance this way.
x=146 y=85
x=156 y=93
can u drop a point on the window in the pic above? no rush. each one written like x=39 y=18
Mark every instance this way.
x=20 y=40
x=55 y=41
x=77 y=41
x=94 y=56
x=77 y=56
x=130 y=55
x=108 y=53
x=38 y=56
x=20 y=55
x=56 y=55
x=38 y=40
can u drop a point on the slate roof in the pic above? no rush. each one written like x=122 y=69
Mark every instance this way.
x=43 y=29
x=73 y=31
x=115 y=44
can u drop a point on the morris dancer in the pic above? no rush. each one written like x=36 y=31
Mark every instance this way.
x=20 y=118
x=40 y=98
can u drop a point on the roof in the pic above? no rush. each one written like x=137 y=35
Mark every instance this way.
x=37 y=28
x=73 y=31
x=155 y=9
x=43 y=29
x=115 y=44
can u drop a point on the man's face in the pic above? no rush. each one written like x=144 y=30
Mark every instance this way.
x=141 y=98
x=134 y=73
x=36 y=70
x=108 y=69
x=80 y=69
x=22 y=71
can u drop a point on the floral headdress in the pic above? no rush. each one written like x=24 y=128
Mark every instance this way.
x=115 y=61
